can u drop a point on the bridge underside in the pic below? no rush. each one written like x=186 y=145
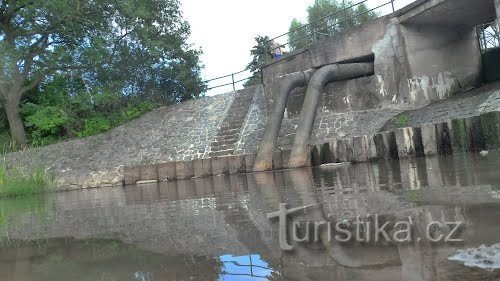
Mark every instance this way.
x=450 y=12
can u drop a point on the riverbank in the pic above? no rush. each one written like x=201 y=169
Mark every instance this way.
x=192 y=130
x=16 y=182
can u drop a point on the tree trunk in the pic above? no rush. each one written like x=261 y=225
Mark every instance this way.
x=16 y=126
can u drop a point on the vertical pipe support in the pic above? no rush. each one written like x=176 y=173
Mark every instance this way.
x=264 y=159
x=325 y=75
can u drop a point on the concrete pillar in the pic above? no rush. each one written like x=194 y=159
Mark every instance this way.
x=184 y=170
x=475 y=134
x=490 y=124
x=249 y=162
x=277 y=160
x=166 y=171
x=430 y=139
x=385 y=145
x=132 y=174
x=285 y=155
x=149 y=172
x=344 y=150
x=220 y=166
x=315 y=155
x=198 y=168
x=236 y=164
x=409 y=142
x=360 y=148
x=325 y=154
x=458 y=135
x=207 y=167
x=330 y=149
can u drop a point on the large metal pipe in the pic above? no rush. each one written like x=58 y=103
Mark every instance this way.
x=327 y=74
x=264 y=159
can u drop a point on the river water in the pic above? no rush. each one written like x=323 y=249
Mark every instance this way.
x=217 y=228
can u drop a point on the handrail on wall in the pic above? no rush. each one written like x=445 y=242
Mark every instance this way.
x=310 y=32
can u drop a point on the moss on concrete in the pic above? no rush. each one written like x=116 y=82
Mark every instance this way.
x=490 y=124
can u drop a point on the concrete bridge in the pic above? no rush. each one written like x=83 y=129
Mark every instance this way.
x=450 y=12
x=423 y=52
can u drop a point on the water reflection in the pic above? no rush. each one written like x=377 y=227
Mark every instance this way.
x=216 y=228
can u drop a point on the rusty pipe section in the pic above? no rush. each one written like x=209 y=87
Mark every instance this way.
x=331 y=73
x=264 y=159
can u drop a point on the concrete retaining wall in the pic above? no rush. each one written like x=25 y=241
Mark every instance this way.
x=458 y=135
x=414 y=65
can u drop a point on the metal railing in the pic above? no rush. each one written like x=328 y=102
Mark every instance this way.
x=234 y=80
x=488 y=35
x=310 y=35
x=323 y=27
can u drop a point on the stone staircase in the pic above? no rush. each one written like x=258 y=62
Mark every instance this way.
x=227 y=136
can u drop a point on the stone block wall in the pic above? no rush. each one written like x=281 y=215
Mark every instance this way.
x=179 y=132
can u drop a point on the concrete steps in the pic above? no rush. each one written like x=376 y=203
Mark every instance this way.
x=228 y=135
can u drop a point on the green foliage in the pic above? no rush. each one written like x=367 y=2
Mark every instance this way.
x=63 y=109
x=94 y=125
x=45 y=123
x=259 y=57
x=15 y=182
x=341 y=16
x=135 y=49
x=402 y=120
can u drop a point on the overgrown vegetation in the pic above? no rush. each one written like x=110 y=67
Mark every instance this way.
x=15 y=182
x=74 y=68
x=402 y=120
x=344 y=16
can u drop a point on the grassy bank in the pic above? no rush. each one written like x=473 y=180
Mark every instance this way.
x=15 y=182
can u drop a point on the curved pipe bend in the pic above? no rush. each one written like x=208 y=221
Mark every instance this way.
x=264 y=159
x=299 y=156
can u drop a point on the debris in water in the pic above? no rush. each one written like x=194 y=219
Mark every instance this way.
x=483 y=257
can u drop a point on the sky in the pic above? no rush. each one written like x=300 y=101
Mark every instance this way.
x=225 y=30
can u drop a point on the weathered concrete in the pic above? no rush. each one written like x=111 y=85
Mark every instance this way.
x=236 y=164
x=249 y=162
x=409 y=142
x=497 y=8
x=277 y=159
x=385 y=145
x=490 y=124
x=149 y=172
x=326 y=74
x=450 y=12
x=264 y=160
x=430 y=139
x=167 y=172
x=360 y=148
x=132 y=174
x=220 y=166
x=471 y=134
x=207 y=167
x=198 y=168
x=436 y=63
x=184 y=170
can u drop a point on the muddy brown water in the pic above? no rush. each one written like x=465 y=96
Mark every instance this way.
x=217 y=228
